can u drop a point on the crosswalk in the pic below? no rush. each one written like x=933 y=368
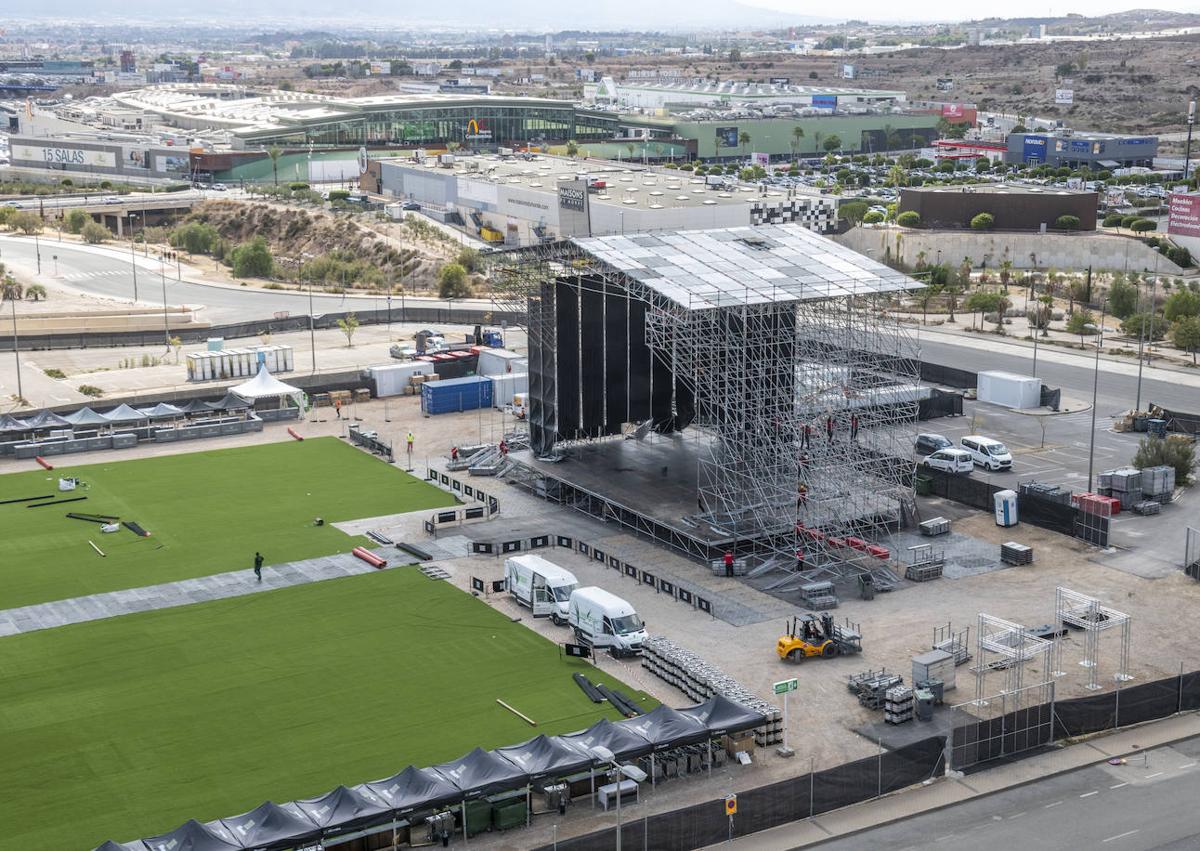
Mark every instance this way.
x=87 y=276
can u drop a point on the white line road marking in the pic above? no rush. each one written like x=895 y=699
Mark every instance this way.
x=1186 y=765
x=1017 y=815
x=1089 y=794
x=944 y=838
x=1155 y=774
x=1120 y=836
x=1048 y=806
x=1118 y=786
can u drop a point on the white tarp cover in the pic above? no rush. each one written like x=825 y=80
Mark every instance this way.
x=266 y=386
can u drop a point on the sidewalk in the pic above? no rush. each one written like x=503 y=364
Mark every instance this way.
x=947 y=792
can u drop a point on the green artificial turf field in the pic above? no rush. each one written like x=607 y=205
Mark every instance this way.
x=207 y=512
x=126 y=727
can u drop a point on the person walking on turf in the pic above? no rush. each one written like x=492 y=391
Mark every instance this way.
x=258 y=560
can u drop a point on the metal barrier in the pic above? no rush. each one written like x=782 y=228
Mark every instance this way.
x=370 y=441
x=464 y=490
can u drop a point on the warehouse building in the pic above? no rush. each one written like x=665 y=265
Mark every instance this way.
x=1096 y=151
x=520 y=201
x=1014 y=207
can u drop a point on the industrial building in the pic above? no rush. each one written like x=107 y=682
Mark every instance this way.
x=1073 y=149
x=730 y=93
x=525 y=199
x=1014 y=207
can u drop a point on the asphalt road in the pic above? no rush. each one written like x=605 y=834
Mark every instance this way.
x=111 y=274
x=1133 y=807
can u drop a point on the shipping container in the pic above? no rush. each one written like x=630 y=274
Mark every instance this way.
x=506 y=388
x=499 y=362
x=1009 y=389
x=392 y=379
x=456 y=394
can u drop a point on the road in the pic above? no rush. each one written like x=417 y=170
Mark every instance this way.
x=110 y=273
x=87 y=199
x=1138 y=806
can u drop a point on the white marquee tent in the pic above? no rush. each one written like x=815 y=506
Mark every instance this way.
x=266 y=386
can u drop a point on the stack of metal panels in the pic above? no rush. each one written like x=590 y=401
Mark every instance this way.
x=1049 y=492
x=924 y=572
x=1158 y=483
x=699 y=680
x=872 y=687
x=898 y=705
x=819 y=595
x=935 y=526
x=1014 y=553
x=1147 y=506
x=1127 y=486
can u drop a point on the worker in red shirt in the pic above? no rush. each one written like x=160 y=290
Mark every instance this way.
x=729 y=563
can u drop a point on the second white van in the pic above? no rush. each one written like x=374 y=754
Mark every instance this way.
x=987 y=452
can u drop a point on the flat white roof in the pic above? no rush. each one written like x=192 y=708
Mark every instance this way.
x=746 y=265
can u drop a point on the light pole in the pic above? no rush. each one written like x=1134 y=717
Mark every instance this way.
x=162 y=271
x=38 y=249
x=16 y=348
x=623 y=772
x=133 y=265
x=1187 y=150
x=1095 y=390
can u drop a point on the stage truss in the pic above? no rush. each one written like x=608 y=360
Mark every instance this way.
x=1093 y=617
x=805 y=408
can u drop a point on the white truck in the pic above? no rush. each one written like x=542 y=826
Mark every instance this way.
x=540 y=585
x=601 y=619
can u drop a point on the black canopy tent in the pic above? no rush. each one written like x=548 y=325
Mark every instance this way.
x=86 y=418
x=544 y=757
x=137 y=845
x=194 y=836
x=721 y=716
x=666 y=728
x=10 y=424
x=343 y=809
x=270 y=827
x=480 y=773
x=624 y=743
x=413 y=789
x=45 y=419
x=125 y=414
x=230 y=402
x=195 y=406
x=161 y=411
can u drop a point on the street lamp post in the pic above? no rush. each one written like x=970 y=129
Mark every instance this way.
x=162 y=270
x=1095 y=393
x=133 y=265
x=623 y=772
x=16 y=348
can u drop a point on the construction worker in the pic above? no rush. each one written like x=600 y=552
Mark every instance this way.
x=802 y=496
x=854 y=426
x=807 y=435
x=337 y=408
x=410 y=441
x=503 y=447
x=453 y=453
x=258 y=563
x=729 y=563
x=829 y=429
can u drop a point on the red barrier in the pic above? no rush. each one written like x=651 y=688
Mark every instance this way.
x=369 y=557
x=43 y=462
x=293 y=434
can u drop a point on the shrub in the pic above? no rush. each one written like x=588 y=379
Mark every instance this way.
x=339 y=194
x=1143 y=225
x=1067 y=223
x=52 y=372
x=75 y=220
x=1122 y=297
x=94 y=233
x=1186 y=335
x=452 y=282
x=909 y=219
x=853 y=211
x=1180 y=256
x=1127 y=221
x=298 y=186
x=1113 y=220
x=1155 y=452
x=195 y=237
x=983 y=221
x=1154 y=327
x=252 y=259
x=872 y=217
x=27 y=223
x=90 y=390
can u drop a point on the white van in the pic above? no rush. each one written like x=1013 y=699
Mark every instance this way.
x=987 y=452
x=540 y=585
x=601 y=619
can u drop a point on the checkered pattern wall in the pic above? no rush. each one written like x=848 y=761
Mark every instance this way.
x=815 y=214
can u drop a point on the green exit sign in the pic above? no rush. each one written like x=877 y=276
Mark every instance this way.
x=784 y=686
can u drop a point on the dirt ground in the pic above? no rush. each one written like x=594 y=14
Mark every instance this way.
x=823 y=714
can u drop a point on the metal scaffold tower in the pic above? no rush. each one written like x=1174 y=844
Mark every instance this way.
x=1090 y=615
x=799 y=388
x=1007 y=647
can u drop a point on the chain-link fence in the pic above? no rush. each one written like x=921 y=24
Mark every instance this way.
x=1191 y=553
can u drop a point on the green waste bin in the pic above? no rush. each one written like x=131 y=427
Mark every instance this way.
x=923 y=484
x=479 y=817
x=507 y=816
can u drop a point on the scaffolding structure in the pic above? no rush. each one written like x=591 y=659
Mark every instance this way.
x=1093 y=617
x=1007 y=647
x=798 y=388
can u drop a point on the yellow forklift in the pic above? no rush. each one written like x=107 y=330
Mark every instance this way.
x=811 y=635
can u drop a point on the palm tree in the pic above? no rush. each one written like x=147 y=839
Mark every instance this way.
x=743 y=139
x=797 y=135
x=10 y=290
x=1005 y=273
x=817 y=137
x=891 y=137
x=35 y=291
x=921 y=264
x=275 y=152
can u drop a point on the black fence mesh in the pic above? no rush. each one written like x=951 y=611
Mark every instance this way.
x=769 y=806
x=948 y=376
x=940 y=404
x=977 y=493
x=1182 y=421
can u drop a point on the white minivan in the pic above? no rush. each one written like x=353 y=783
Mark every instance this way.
x=540 y=585
x=602 y=619
x=950 y=460
x=987 y=452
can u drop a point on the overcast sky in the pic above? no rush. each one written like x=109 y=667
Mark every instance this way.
x=889 y=10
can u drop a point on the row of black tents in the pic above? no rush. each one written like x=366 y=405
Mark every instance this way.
x=86 y=419
x=415 y=792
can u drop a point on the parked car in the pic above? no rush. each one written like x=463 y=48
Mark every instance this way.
x=218 y=187
x=410 y=205
x=987 y=452
x=950 y=461
x=927 y=444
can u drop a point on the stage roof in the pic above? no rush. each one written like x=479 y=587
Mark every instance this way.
x=728 y=267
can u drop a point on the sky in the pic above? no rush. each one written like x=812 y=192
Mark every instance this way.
x=886 y=11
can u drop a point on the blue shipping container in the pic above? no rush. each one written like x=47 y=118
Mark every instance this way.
x=456 y=394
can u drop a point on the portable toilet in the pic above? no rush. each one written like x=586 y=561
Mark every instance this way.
x=1006 y=508
x=215 y=344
